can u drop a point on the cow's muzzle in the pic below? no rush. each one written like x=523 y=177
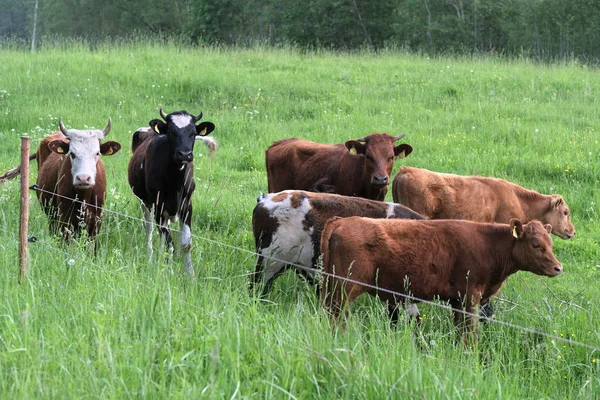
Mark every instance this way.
x=380 y=180
x=556 y=270
x=83 y=181
x=183 y=156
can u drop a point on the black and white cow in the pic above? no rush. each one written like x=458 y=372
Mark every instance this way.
x=161 y=174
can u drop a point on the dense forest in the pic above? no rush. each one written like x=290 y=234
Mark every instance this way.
x=544 y=29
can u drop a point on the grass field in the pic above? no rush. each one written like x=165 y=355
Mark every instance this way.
x=118 y=326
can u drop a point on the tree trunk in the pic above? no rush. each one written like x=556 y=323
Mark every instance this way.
x=35 y=11
x=428 y=33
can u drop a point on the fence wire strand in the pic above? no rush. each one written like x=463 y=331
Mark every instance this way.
x=341 y=278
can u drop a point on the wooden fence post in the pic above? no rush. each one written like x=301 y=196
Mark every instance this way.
x=24 y=208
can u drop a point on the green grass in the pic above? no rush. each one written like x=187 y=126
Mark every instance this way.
x=118 y=326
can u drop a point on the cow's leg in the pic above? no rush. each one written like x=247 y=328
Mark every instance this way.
x=394 y=307
x=486 y=310
x=257 y=275
x=186 y=242
x=413 y=312
x=272 y=269
x=164 y=232
x=393 y=311
x=464 y=320
x=148 y=227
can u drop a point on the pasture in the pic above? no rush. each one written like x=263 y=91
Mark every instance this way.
x=119 y=326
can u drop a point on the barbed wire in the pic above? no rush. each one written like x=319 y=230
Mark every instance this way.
x=341 y=278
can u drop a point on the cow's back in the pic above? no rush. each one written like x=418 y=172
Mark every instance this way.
x=430 y=254
x=299 y=164
x=449 y=196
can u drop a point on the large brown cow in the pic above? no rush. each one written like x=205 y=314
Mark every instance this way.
x=359 y=167
x=161 y=175
x=462 y=262
x=71 y=182
x=480 y=199
x=287 y=229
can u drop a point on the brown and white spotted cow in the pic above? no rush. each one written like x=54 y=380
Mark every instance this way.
x=287 y=229
x=72 y=178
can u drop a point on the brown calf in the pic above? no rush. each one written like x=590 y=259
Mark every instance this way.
x=475 y=198
x=359 y=167
x=462 y=262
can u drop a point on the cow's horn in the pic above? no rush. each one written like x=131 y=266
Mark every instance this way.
x=362 y=139
x=62 y=127
x=198 y=118
x=162 y=114
x=399 y=136
x=107 y=129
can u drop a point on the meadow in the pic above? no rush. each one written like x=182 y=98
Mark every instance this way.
x=116 y=325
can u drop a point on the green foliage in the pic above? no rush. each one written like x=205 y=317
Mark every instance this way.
x=118 y=325
x=546 y=29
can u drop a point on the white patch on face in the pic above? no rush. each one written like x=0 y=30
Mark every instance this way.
x=85 y=146
x=181 y=120
x=390 y=210
x=290 y=243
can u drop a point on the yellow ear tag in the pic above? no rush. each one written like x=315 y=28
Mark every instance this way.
x=156 y=129
x=401 y=155
x=515 y=232
x=110 y=151
x=60 y=150
x=202 y=132
x=353 y=150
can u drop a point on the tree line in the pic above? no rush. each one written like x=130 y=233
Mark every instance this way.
x=544 y=29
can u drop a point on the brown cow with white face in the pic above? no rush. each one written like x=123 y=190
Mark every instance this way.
x=72 y=178
x=359 y=167
x=462 y=262
x=480 y=199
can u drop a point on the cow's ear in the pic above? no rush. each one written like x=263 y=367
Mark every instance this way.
x=205 y=128
x=516 y=227
x=557 y=200
x=548 y=228
x=58 y=146
x=402 y=150
x=356 y=147
x=158 y=126
x=109 y=148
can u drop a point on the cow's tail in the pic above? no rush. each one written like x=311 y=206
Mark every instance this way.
x=328 y=285
x=11 y=173
x=209 y=142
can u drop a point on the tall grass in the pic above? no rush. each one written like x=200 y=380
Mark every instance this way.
x=119 y=325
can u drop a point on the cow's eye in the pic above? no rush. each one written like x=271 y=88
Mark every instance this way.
x=72 y=156
x=370 y=158
x=535 y=245
x=566 y=213
x=98 y=153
